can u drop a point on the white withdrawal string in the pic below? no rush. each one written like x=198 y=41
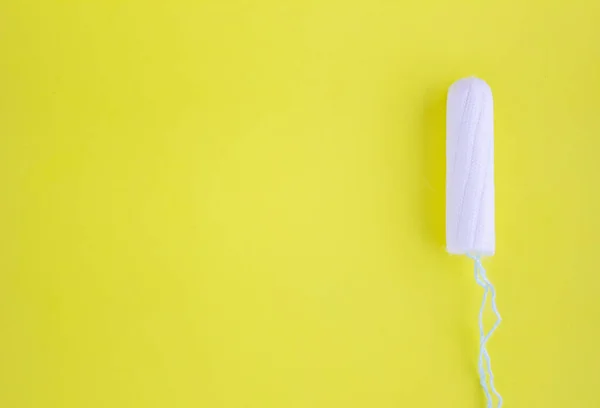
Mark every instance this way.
x=484 y=357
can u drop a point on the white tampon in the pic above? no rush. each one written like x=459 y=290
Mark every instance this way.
x=470 y=228
x=470 y=168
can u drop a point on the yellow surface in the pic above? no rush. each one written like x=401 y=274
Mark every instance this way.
x=230 y=204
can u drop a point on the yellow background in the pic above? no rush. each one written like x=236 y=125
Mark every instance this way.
x=241 y=203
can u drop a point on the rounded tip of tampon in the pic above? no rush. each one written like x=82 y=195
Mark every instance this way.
x=470 y=84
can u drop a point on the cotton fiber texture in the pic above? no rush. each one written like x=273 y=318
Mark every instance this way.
x=470 y=225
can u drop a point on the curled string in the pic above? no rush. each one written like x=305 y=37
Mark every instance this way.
x=484 y=357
